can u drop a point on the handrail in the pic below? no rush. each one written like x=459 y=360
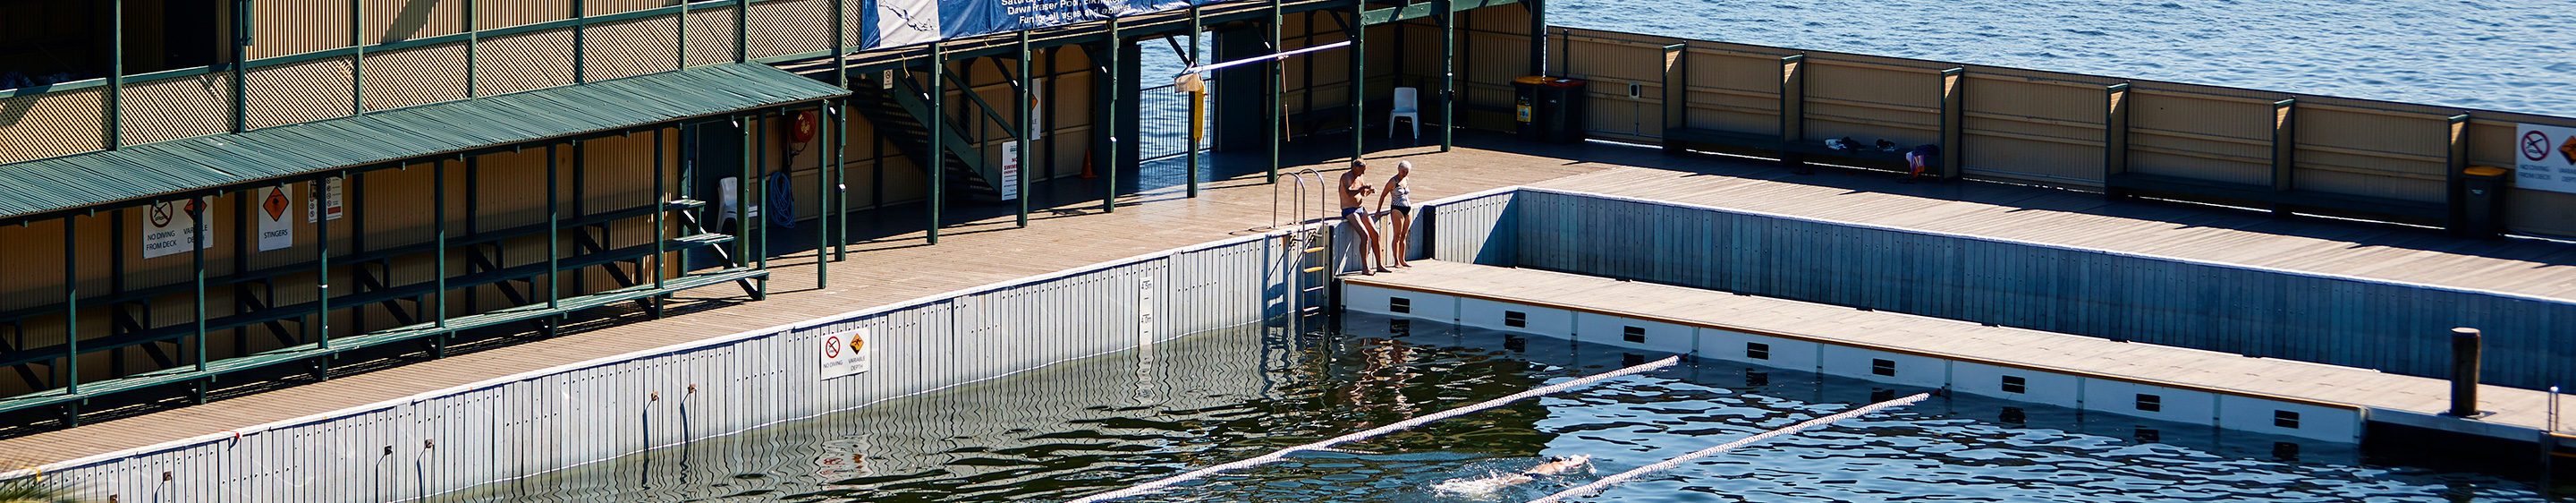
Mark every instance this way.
x=1300 y=210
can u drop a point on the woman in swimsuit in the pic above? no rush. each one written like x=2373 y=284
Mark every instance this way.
x=1400 y=223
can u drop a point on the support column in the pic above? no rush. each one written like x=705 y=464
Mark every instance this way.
x=322 y=269
x=1676 y=98
x=1276 y=109
x=1198 y=103
x=1793 y=111
x=199 y=212
x=2115 y=134
x=1028 y=132
x=474 y=43
x=1112 y=87
x=1954 y=95
x=1359 y=78
x=840 y=178
x=241 y=72
x=661 y=227
x=823 y=196
x=1538 y=36
x=554 y=244
x=1448 y=75
x=114 y=125
x=741 y=30
x=938 y=171
x=358 y=58
x=2285 y=144
x=71 y=310
x=438 y=256
x=757 y=174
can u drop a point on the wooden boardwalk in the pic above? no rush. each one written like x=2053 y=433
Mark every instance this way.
x=901 y=267
x=1959 y=340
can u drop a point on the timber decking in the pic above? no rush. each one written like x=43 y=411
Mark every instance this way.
x=901 y=267
x=1959 y=340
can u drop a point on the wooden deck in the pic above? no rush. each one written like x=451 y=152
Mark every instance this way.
x=1965 y=341
x=900 y=267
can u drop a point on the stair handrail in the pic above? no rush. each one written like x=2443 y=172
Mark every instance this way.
x=1300 y=210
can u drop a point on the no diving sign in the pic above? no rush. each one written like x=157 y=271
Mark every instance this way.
x=843 y=353
x=2545 y=158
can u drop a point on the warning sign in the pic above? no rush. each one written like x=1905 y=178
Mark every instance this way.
x=275 y=232
x=328 y=206
x=843 y=353
x=169 y=227
x=2547 y=158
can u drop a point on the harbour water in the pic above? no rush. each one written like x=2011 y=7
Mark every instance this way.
x=1117 y=420
x=2513 y=56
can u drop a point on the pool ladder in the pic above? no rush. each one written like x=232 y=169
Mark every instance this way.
x=1310 y=245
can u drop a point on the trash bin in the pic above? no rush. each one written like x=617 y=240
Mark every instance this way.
x=1548 y=109
x=2482 y=201
x=1566 y=120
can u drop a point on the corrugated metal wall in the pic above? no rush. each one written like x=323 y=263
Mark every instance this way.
x=2396 y=328
x=448 y=441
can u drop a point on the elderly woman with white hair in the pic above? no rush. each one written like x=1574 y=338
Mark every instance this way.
x=1399 y=223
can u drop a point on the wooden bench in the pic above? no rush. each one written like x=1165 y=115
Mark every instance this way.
x=1682 y=140
x=2208 y=191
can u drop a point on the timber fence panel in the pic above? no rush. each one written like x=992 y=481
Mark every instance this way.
x=783 y=27
x=632 y=47
x=172 y=108
x=416 y=76
x=53 y=124
x=711 y=32
x=300 y=92
x=526 y=61
x=2198 y=136
x=2032 y=128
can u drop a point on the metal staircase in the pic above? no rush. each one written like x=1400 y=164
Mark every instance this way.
x=899 y=112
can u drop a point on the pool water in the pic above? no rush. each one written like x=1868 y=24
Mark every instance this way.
x=1117 y=420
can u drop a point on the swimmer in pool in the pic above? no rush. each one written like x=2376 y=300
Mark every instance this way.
x=1555 y=465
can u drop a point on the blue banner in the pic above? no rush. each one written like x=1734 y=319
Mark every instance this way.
x=897 y=23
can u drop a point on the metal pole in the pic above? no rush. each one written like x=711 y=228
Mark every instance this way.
x=741 y=30
x=580 y=40
x=114 y=126
x=358 y=57
x=242 y=24
x=1108 y=122
x=554 y=243
x=684 y=32
x=1278 y=104
x=1538 y=36
x=71 y=304
x=841 y=180
x=473 y=42
x=1448 y=75
x=758 y=171
x=1028 y=131
x=1359 y=77
x=823 y=195
x=938 y=125
x=661 y=228
x=199 y=213
x=438 y=245
x=322 y=259
x=1198 y=108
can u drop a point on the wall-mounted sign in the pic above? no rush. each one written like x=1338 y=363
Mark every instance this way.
x=328 y=205
x=843 y=353
x=275 y=231
x=2545 y=158
x=1010 y=183
x=169 y=227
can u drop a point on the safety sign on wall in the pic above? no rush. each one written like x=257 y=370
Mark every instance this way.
x=169 y=227
x=2545 y=158
x=275 y=231
x=843 y=353
x=1010 y=171
x=328 y=206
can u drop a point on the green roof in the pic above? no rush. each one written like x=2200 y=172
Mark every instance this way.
x=174 y=166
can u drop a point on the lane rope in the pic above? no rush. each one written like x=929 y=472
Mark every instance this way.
x=1623 y=477
x=1282 y=454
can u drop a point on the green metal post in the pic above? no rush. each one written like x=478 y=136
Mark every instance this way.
x=242 y=24
x=438 y=250
x=322 y=267
x=114 y=126
x=684 y=33
x=1196 y=128
x=358 y=58
x=837 y=200
x=1028 y=131
x=554 y=244
x=823 y=197
x=841 y=179
x=1278 y=104
x=580 y=179
x=1108 y=121
x=741 y=31
x=938 y=172
x=759 y=168
x=1448 y=75
x=199 y=213
x=742 y=198
x=473 y=44
x=71 y=305
x=661 y=228
x=1359 y=77
x=580 y=41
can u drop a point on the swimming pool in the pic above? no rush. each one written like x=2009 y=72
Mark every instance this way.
x=1107 y=422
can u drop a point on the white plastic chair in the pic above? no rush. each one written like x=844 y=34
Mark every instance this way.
x=1407 y=105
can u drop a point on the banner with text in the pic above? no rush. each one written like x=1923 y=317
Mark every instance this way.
x=2545 y=158
x=906 y=22
x=170 y=226
x=843 y=353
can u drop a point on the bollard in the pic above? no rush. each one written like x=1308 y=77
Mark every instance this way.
x=2464 y=372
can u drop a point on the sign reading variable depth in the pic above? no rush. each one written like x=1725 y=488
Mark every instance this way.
x=170 y=226
x=2545 y=158
x=843 y=353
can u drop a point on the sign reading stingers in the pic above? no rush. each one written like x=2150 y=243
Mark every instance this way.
x=2545 y=158
x=844 y=353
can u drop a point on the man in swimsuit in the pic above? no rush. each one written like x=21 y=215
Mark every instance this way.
x=1355 y=212
x=1555 y=465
